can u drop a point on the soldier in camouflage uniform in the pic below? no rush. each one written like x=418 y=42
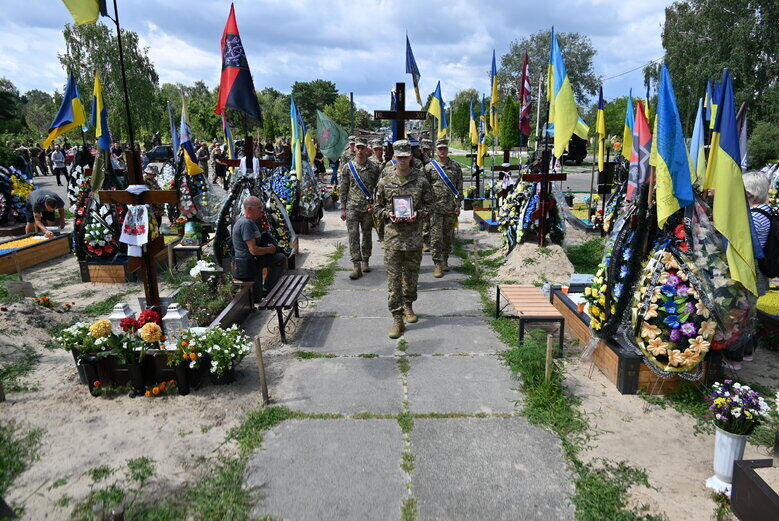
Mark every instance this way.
x=402 y=237
x=357 y=206
x=421 y=160
x=427 y=151
x=378 y=153
x=446 y=207
x=348 y=154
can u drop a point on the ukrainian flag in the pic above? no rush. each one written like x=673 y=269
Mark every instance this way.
x=482 y=150
x=698 y=146
x=494 y=97
x=70 y=115
x=100 y=117
x=190 y=158
x=308 y=139
x=627 y=134
x=85 y=11
x=562 y=107
x=600 y=128
x=297 y=138
x=436 y=108
x=724 y=176
x=674 y=183
x=473 y=133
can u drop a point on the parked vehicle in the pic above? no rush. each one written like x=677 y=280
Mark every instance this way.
x=160 y=153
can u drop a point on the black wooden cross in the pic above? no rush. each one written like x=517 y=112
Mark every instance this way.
x=476 y=170
x=544 y=206
x=400 y=113
x=248 y=144
x=146 y=262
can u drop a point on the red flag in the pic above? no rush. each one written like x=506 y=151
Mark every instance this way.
x=236 y=88
x=639 y=156
x=524 y=99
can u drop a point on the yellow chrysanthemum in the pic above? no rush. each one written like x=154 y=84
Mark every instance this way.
x=150 y=332
x=100 y=329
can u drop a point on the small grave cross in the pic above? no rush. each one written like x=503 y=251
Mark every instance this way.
x=146 y=262
x=544 y=207
x=400 y=114
x=249 y=145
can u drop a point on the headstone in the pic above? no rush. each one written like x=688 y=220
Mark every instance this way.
x=119 y=313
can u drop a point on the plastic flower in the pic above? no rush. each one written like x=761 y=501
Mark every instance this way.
x=651 y=311
x=679 y=232
x=690 y=357
x=688 y=328
x=675 y=357
x=699 y=345
x=618 y=289
x=683 y=290
x=702 y=309
x=668 y=290
x=657 y=347
x=708 y=327
x=675 y=335
x=669 y=261
x=669 y=306
x=150 y=332
x=672 y=321
x=100 y=329
x=672 y=279
x=144 y=317
x=649 y=330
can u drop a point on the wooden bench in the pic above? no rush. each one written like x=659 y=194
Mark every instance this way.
x=284 y=295
x=531 y=305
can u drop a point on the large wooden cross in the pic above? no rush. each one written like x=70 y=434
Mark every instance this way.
x=544 y=206
x=400 y=114
x=248 y=144
x=146 y=261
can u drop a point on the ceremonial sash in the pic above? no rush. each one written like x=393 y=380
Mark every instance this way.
x=394 y=161
x=445 y=178
x=358 y=180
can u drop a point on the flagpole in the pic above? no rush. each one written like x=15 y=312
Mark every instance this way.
x=538 y=108
x=592 y=182
x=132 y=172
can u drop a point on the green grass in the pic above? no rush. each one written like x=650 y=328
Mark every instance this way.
x=17 y=450
x=402 y=345
x=307 y=355
x=16 y=365
x=407 y=462
x=408 y=512
x=323 y=278
x=5 y=298
x=104 y=307
x=587 y=256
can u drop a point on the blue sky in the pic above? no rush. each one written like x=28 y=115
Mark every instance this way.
x=358 y=45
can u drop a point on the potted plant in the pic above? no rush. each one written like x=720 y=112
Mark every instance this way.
x=226 y=348
x=736 y=411
x=130 y=347
x=187 y=358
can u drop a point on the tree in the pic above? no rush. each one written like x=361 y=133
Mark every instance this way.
x=763 y=144
x=201 y=100
x=613 y=113
x=10 y=107
x=94 y=47
x=578 y=54
x=509 y=124
x=340 y=111
x=39 y=109
x=312 y=95
x=701 y=37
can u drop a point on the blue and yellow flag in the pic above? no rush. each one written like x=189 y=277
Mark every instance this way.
x=698 y=147
x=674 y=182
x=185 y=141
x=100 y=117
x=494 y=124
x=70 y=115
x=473 y=131
x=85 y=11
x=646 y=103
x=627 y=133
x=724 y=176
x=600 y=128
x=563 y=113
x=308 y=140
x=481 y=151
x=713 y=94
x=297 y=138
x=437 y=109
x=411 y=68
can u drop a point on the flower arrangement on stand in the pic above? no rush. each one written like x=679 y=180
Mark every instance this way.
x=99 y=240
x=222 y=349
x=509 y=216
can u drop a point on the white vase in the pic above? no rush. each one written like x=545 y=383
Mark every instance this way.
x=728 y=447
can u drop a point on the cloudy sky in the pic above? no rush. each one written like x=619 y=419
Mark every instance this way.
x=358 y=45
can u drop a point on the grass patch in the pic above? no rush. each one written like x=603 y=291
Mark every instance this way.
x=587 y=256
x=403 y=364
x=17 y=450
x=104 y=307
x=407 y=462
x=402 y=345
x=16 y=365
x=249 y=433
x=408 y=512
x=406 y=422
x=307 y=355
x=323 y=278
x=368 y=355
x=5 y=298
x=175 y=276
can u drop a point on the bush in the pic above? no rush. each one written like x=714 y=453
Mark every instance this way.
x=763 y=145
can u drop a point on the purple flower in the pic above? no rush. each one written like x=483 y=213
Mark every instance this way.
x=688 y=328
x=672 y=321
x=672 y=280
x=669 y=306
x=674 y=335
x=689 y=307
x=683 y=290
x=668 y=290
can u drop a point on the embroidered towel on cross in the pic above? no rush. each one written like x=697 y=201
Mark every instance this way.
x=135 y=230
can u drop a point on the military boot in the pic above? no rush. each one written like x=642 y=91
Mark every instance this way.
x=446 y=264
x=364 y=266
x=397 y=326
x=438 y=272
x=408 y=314
x=356 y=272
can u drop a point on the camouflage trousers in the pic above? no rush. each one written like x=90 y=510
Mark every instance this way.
x=426 y=230
x=442 y=233
x=402 y=277
x=359 y=226
x=380 y=229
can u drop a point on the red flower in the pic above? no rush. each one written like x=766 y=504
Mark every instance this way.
x=148 y=316
x=129 y=325
x=679 y=232
x=98 y=251
x=108 y=248
x=684 y=247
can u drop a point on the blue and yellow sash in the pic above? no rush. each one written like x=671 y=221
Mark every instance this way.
x=445 y=178
x=358 y=180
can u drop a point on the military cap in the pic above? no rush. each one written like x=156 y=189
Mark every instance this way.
x=442 y=142
x=413 y=141
x=351 y=139
x=401 y=148
x=375 y=143
x=427 y=143
x=360 y=141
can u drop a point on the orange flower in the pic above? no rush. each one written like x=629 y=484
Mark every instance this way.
x=184 y=356
x=193 y=356
x=171 y=381
x=155 y=391
x=148 y=393
x=184 y=343
x=96 y=383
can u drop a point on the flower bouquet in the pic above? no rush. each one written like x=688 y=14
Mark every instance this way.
x=508 y=216
x=99 y=240
x=226 y=348
x=736 y=408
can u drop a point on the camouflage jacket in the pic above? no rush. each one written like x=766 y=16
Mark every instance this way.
x=404 y=236
x=351 y=195
x=347 y=156
x=444 y=200
x=377 y=162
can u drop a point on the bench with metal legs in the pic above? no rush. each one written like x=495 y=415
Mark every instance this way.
x=531 y=305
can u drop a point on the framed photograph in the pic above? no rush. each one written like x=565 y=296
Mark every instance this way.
x=403 y=207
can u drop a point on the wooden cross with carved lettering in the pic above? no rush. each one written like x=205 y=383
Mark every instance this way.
x=544 y=206
x=400 y=113
x=248 y=144
x=154 y=246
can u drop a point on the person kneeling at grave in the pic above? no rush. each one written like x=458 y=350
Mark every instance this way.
x=255 y=250
x=39 y=211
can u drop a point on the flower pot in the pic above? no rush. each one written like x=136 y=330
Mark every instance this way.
x=182 y=380
x=225 y=378
x=728 y=447
x=89 y=365
x=136 y=379
x=104 y=371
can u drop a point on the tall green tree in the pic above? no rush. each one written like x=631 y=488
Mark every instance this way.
x=578 y=54
x=94 y=47
x=312 y=95
x=701 y=37
x=39 y=109
x=340 y=111
x=509 y=124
